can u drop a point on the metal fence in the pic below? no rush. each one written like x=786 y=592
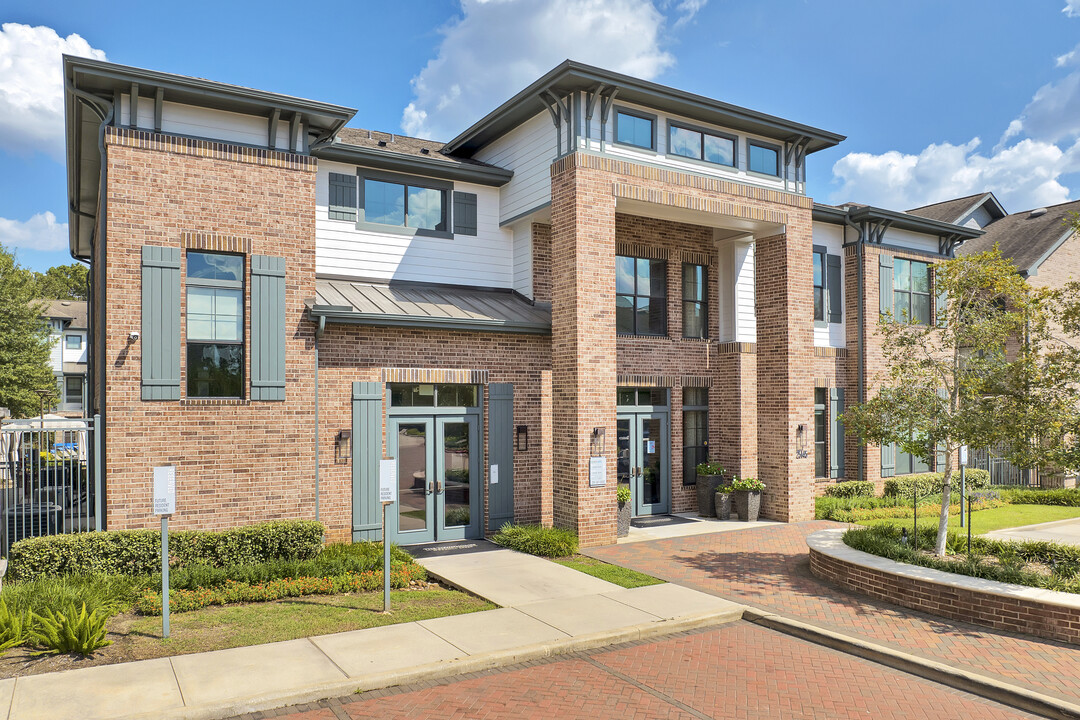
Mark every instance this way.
x=50 y=479
x=1001 y=471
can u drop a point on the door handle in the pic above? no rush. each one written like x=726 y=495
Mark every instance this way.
x=438 y=486
x=430 y=487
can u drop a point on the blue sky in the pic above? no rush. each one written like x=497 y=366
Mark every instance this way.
x=938 y=99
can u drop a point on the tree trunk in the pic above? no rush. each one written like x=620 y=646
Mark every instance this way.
x=943 y=521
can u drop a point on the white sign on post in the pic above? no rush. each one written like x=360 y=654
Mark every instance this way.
x=597 y=471
x=494 y=474
x=388 y=486
x=165 y=490
x=963 y=455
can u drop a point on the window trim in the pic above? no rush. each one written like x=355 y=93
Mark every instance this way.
x=446 y=188
x=704 y=131
x=82 y=386
x=640 y=114
x=704 y=302
x=636 y=295
x=76 y=336
x=750 y=142
x=930 y=294
x=242 y=286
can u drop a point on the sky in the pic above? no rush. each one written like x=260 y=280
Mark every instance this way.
x=937 y=99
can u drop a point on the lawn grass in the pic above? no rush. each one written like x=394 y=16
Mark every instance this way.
x=620 y=576
x=983 y=521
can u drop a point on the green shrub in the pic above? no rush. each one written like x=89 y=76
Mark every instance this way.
x=622 y=494
x=70 y=630
x=138 y=552
x=109 y=593
x=1066 y=497
x=929 y=483
x=14 y=627
x=851 y=488
x=537 y=540
x=834 y=508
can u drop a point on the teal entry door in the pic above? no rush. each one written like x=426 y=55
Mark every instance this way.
x=438 y=460
x=644 y=461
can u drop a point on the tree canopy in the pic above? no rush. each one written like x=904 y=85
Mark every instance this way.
x=24 y=339
x=62 y=282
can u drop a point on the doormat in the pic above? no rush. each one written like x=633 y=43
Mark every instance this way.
x=650 y=521
x=453 y=547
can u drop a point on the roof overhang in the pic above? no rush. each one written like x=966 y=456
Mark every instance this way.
x=97 y=83
x=412 y=164
x=1034 y=269
x=571 y=76
x=995 y=208
x=349 y=316
x=904 y=221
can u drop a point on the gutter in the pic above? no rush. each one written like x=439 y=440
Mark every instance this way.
x=346 y=315
x=398 y=162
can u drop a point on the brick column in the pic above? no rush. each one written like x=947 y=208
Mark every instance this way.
x=583 y=347
x=785 y=392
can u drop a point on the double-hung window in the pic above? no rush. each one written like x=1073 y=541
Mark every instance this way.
x=73 y=390
x=215 y=325
x=695 y=431
x=911 y=291
x=819 y=286
x=828 y=290
x=641 y=296
x=636 y=129
x=689 y=142
x=820 y=446
x=695 y=304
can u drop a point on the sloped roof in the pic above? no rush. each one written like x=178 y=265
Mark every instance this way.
x=949 y=210
x=428 y=305
x=1027 y=240
x=72 y=310
x=402 y=144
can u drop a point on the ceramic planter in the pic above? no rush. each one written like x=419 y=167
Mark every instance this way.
x=706 y=490
x=748 y=504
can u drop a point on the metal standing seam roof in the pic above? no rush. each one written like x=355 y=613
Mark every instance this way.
x=426 y=305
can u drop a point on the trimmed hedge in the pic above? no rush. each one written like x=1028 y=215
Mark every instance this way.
x=138 y=552
x=932 y=482
x=1065 y=497
x=850 y=489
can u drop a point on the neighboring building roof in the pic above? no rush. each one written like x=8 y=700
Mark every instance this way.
x=74 y=311
x=570 y=76
x=1028 y=237
x=959 y=209
x=428 y=305
x=400 y=153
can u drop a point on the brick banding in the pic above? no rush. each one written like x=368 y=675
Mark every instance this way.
x=146 y=140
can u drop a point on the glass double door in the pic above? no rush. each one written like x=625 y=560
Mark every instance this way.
x=438 y=462
x=644 y=461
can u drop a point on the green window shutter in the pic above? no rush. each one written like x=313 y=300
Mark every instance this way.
x=267 y=328
x=836 y=432
x=501 y=453
x=367 y=429
x=342 y=197
x=833 y=284
x=885 y=286
x=160 y=323
x=464 y=213
x=941 y=300
x=888 y=460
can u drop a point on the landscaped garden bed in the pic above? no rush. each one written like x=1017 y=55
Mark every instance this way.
x=91 y=599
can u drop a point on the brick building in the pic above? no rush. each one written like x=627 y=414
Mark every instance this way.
x=603 y=280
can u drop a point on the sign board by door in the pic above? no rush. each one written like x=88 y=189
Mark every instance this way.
x=388 y=485
x=165 y=490
x=597 y=471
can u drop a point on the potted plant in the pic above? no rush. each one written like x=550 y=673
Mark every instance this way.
x=622 y=495
x=722 y=502
x=747 y=497
x=709 y=477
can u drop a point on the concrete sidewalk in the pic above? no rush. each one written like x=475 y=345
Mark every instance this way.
x=1066 y=532
x=547 y=609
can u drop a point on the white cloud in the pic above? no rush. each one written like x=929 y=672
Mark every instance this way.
x=687 y=9
x=1072 y=8
x=41 y=232
x=1022 y=176
x=498 y=47
x=1068 y=58
x=32 y=85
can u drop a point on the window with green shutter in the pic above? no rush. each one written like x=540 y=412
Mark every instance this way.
x=160 y=336
x=215 y=325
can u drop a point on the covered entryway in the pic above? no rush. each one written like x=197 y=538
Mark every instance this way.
x=644 y=448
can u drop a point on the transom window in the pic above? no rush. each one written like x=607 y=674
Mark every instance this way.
x=404 y=205
x=637 y=129
x=911 y=291
x=641 y=397
x=641 y=296
x=763 y=158
x=433 y=395
x=695 y=304
x=215 y=325
x=700 y=145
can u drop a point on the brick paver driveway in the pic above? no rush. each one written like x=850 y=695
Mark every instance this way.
x=769 y=568
x=737 y=671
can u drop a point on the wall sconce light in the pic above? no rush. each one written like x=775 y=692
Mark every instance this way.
x=596 y=441
x=343 y=445
x=522 y=440
x=800 y=441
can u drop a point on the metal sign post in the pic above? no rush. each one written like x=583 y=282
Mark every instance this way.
x=963 y=481
x=164 y=505
x=387 y=496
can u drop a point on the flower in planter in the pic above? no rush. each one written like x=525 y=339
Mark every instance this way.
x=710 y=468
x=747 y=485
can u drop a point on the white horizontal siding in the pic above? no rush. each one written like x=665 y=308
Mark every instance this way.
x=528 y=150
x=485 y=259
x=74 y=356
x=912 y=240
x=726 y=279
x=178 y=119
x=745 y=316
x=523 y=252
x=832 y=238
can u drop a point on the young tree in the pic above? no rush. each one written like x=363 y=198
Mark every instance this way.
x=62 y=282
x=970 y=378
x=24 y=340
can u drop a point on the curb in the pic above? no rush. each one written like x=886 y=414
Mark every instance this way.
x=981 y=685
x=441 y=670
